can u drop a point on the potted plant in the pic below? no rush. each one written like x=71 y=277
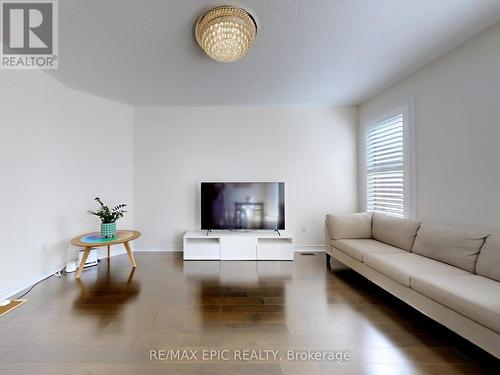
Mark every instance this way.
x=108 y=217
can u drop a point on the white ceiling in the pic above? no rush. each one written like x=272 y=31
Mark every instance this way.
x=143 y=52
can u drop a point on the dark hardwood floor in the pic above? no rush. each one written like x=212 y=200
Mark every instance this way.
x=108 y=322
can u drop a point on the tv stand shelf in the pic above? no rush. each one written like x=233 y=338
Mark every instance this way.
x=236 y=245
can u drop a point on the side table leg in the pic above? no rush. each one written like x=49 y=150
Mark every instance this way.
x=86 y=253
x=109 y=251
x=130 y=254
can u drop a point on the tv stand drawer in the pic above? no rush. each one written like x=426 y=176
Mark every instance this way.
x=201 y=249
x=238 y=248
x=274 y=249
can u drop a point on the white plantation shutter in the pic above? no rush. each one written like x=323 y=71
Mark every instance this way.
x=385 y=177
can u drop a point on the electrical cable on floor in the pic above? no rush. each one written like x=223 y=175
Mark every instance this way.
x=58 y=274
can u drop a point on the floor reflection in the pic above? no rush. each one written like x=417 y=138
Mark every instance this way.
x=236 y=293
x=108 y=318
x=379 y=319
x=109 y=291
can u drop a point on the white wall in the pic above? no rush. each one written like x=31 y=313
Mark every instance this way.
x=58 y=150
x=312 y=149
x=457 y=120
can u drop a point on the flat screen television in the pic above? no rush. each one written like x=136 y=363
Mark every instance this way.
x=243 y=205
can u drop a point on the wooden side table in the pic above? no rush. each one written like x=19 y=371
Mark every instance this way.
x=90 y=240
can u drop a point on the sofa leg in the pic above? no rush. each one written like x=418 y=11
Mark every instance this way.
x=328 y=258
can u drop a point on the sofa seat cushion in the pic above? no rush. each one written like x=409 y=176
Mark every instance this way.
x=358 y=248
x=394 y=231
x=455 y=246
x=357 y=225
x=474 y=296
x=402 y=267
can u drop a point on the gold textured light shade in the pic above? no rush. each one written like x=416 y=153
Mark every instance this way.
x=225 y=33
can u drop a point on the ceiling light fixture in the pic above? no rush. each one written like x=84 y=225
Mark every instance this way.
x=225 y=33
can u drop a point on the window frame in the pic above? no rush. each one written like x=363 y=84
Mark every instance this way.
x=404 y=107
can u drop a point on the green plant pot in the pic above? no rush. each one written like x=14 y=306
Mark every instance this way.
x=108 y=230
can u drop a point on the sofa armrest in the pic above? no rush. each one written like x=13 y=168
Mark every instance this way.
x=356 y=225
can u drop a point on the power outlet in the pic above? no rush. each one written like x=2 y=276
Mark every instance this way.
x=303 y=229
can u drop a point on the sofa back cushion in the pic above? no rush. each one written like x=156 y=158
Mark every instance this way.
x=395 y=231
x=455 y=246
x=488 y=261
x=357 y=225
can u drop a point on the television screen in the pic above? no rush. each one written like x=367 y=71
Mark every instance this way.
x=243 y=205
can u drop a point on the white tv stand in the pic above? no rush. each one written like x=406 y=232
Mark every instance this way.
x=238 y=245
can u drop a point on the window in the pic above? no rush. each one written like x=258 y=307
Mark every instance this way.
x=386 y=169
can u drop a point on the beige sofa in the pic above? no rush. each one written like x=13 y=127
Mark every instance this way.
x=451 y=275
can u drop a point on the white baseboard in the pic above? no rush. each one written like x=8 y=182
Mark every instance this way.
x=163 y=248
x=158 y=248
x=27 y=282
x=102 y=252
x=297 y=248
x=19 y=286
